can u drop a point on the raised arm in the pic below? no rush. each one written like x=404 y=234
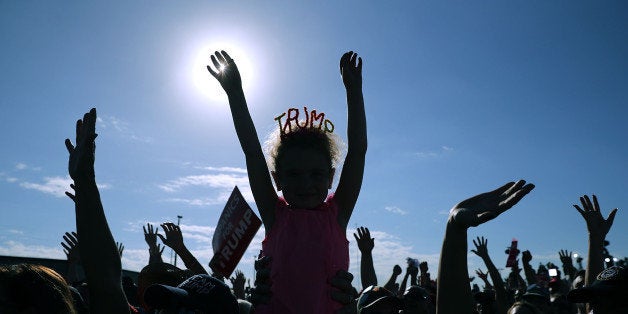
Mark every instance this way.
x=598 y=227
x=366 y=245
x=453 y=292
x=350 y=180
x=99 y=253
x=481 y=250
x=411 y=272
x=526 y=257
x=174 y=239
x=390 y=284
x=424 y=279
x=265 y=196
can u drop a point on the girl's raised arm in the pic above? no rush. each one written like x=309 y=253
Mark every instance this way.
x=259 y=178
x=350 y=180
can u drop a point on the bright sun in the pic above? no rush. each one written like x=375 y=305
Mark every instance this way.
x=204 y=81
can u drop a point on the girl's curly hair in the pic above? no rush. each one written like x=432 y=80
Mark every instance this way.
x=327 y=143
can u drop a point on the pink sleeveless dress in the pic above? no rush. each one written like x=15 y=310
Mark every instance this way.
x=307 y=248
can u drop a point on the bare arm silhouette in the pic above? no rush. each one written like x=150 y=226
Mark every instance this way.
x=99 y=253
x=453 y=292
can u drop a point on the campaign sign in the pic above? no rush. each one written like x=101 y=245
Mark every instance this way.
x=236 y=227
x=512 y=252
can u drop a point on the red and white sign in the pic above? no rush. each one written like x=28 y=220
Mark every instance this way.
x=236 y=227
x=512 y=252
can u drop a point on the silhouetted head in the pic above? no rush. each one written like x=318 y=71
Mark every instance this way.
x=199 y=294
x=27 y=288
x=303 y=163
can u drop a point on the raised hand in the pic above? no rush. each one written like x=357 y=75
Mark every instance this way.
x=423 y=267
x=565 y=257
x=482 y=275
x=596 y=224
x=120 y=248
x=174 y=238
x=397 y=270
x=238 y=279
x=526 y=257
x=150 y=235
x=364 y=240
x=486 y=206
x=238 y=284
x=351 y=70
x=413 y=271
x=226 y=72
x=81 y=161
x=70 y=247
x=481 y=248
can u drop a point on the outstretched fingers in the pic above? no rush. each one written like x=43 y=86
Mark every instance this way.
x=515 y=194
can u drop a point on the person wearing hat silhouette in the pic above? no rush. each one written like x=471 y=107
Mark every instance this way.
x=536 y=300
x=607 y=294
x=198 y=294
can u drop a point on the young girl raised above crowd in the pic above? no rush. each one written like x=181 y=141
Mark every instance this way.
x=306 y=227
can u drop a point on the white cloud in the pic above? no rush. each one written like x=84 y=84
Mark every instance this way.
x=135 y=259
x=11 y=180
x=22 y=166
x=395 y=210
x=52 y=185
x=224 y=169
x=12 y=248
x=197 y=201
x=222 y=184
x=444 y=150
x=122 y=127
x=55 y=186
x=210 y=180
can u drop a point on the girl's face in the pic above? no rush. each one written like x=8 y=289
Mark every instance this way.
x=305 y=177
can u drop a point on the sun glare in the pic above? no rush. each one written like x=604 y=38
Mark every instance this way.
x=203 y=80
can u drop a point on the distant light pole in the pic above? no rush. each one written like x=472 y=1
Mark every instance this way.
x=178 y=222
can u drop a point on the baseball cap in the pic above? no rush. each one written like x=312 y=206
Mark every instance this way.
x=610 y=283
x=376 y=299
x=199 y=292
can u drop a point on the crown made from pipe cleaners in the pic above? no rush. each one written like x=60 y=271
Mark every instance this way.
x=313 y=119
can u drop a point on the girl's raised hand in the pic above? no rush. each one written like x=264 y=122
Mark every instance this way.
x=226 y=71
x=351 y=70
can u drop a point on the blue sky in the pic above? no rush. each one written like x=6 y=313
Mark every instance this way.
x=460 y=98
